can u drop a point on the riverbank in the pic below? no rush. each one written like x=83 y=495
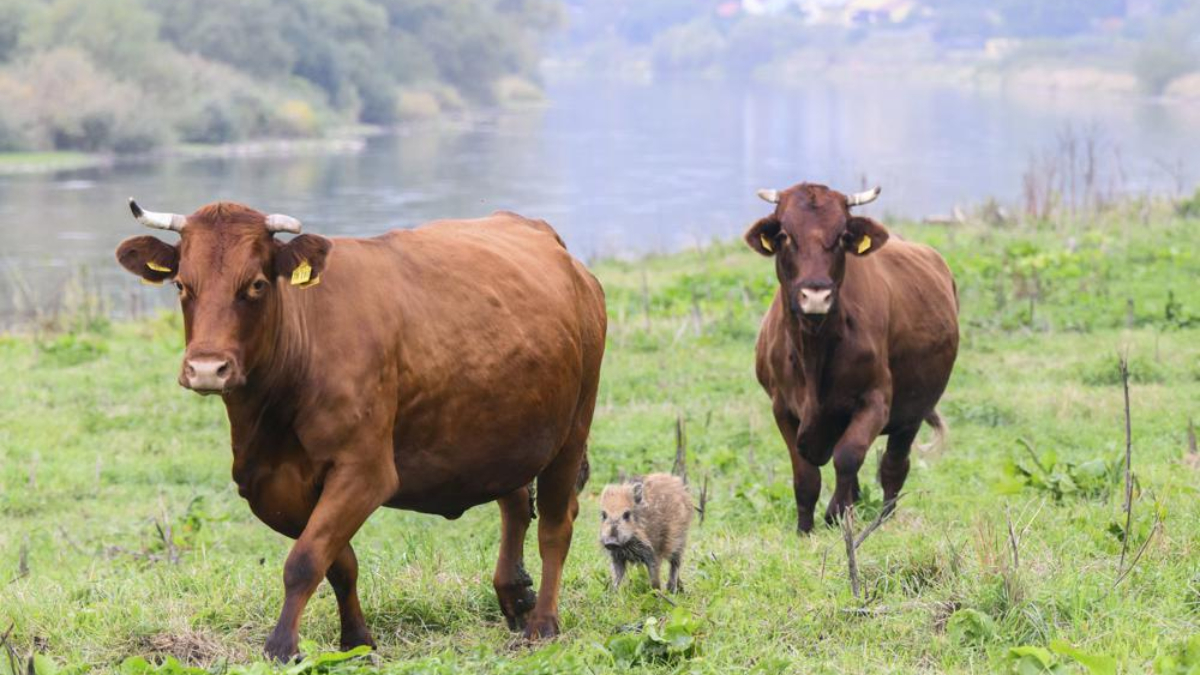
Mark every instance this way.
x=342 y=140
x=124 y=537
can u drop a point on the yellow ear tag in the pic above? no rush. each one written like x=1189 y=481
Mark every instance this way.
x=312 y=282
x=864 y=245
x=302 y=274
x=147 y=282
x=153 y=266
x=766 y=243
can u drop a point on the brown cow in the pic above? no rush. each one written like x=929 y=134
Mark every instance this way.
x=433 y=370
x=859 y=341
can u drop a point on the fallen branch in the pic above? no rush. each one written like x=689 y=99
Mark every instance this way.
x=883 y=514
x=1141 y=549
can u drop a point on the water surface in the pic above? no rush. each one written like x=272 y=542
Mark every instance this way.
x=619 y=169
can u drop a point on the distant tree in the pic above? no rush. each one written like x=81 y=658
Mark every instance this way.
x=119 y=35
x=14 y=20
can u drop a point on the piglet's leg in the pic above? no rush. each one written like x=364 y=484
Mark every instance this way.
x=673 y=584
x=851 y=450
x=652 y=566
x=618 y=572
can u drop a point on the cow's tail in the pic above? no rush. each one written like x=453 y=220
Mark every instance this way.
x=941 y=433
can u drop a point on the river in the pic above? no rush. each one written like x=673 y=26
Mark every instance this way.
x=619 y=168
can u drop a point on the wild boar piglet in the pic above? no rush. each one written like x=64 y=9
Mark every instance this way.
x=645 y=520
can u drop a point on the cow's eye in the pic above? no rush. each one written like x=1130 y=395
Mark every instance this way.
x=256 y=289
x=603 y=515
x=178 y=286
x=625 y=516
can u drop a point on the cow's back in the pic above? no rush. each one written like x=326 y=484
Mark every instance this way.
x=485 y=332
x=907 y=293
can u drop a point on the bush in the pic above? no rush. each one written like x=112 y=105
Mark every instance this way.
x=59 y=100
x=1190 y=207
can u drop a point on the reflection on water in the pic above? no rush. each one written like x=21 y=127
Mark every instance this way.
x=617 y=168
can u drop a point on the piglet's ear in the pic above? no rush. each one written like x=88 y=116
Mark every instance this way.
x=637 y=492
x=302 y=260
x=153 y=260
x=763 y=236
x=864 y=236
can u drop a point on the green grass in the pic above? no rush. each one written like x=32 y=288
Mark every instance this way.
x=99 y=447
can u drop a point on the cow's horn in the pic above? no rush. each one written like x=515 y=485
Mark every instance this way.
x=860 y=198
x=768 y=196
x=159 y=221
x=277 y=222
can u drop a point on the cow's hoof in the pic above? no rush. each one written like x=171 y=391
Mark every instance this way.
x=541 y=628
x=356 y=638
x=281 y=648
x=804 y=526
x=518 y=612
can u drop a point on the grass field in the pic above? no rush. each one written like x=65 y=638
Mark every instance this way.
x=121 y=534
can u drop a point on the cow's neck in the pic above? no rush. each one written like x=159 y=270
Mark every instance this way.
x=814 y=344
x=269 y=396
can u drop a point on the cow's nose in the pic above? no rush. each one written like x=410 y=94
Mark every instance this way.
x=816 y=300
x=207 y=375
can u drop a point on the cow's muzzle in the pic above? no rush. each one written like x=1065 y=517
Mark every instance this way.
x=816 y=300
x=210 y=374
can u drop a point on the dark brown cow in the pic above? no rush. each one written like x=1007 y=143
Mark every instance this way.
x=433 y=369
x=859 y=341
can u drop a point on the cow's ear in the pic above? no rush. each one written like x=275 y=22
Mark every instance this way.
x=149 y=258
x=864 y=236
x=302 y=260
x=763 y=236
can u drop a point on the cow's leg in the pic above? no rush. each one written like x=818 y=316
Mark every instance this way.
x=557 y=507
x=512 y=582
x=851 y=450
x=349 y=496
x=893 y=469
x=806 y=478
x=343 y=576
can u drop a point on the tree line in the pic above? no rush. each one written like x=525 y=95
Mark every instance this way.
x=131 y=75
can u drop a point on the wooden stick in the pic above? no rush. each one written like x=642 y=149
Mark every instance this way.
x=704 y=499
x=848 y=535
x=680 y=468
x=1013 y=541
x=1123 y=363
x=1191 y=436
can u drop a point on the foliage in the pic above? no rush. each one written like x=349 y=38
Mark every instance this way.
x=1031 y=660
x=971 y=627
x=659 y=641
x=130 y=75
x=1060 y=478
x=1190 y=207
x=1181 y=659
